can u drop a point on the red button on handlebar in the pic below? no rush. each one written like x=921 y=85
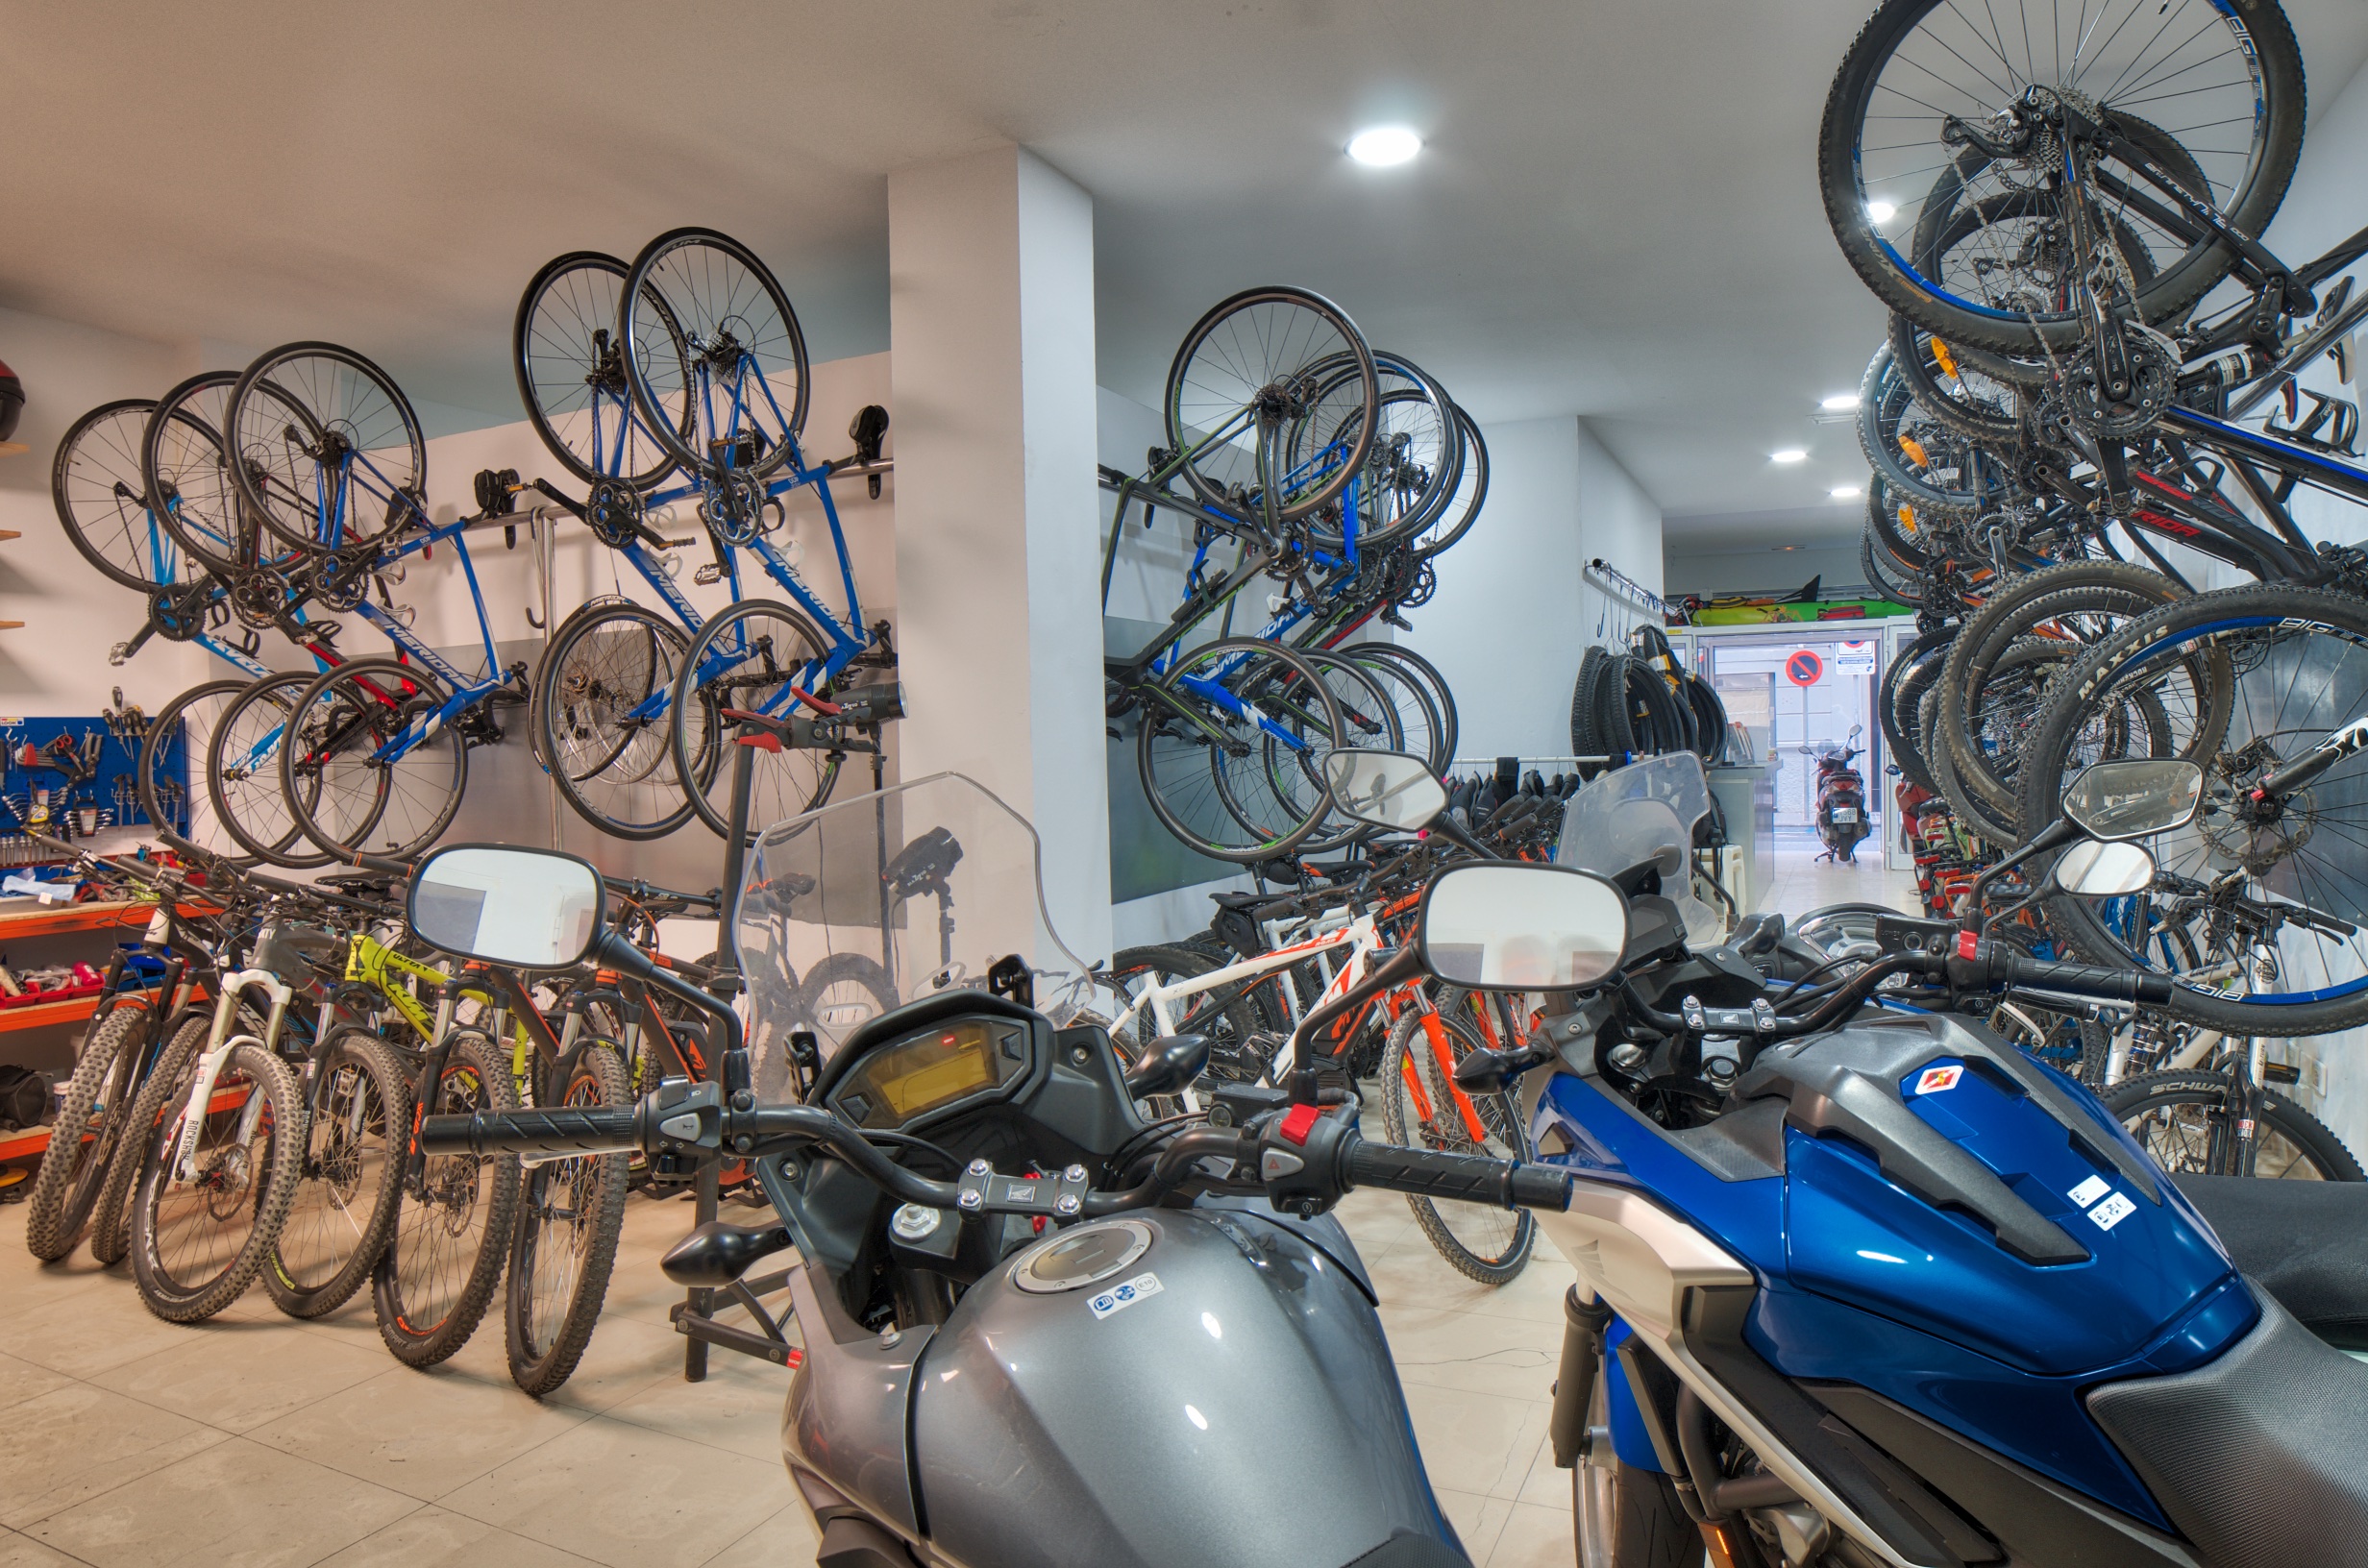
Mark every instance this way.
x=1297 y=1122
x=1968 y=946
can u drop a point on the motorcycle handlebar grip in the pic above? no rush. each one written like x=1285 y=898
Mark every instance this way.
x=2090 y=980
x=603 y=1129
x=1461 y=1178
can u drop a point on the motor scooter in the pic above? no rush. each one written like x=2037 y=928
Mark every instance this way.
x=1036 y=1326
x=1860 y=1283
x=1841 y=798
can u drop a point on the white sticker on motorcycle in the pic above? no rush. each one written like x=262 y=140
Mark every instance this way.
x=2090 y=1190
x=1121 y=1297
x=2112 y=1212
x=1937 y=1079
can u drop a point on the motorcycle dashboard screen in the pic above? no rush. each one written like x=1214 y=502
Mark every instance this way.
x=913 y=1077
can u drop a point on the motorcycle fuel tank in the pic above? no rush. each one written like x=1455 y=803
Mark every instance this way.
x=1172 y=1389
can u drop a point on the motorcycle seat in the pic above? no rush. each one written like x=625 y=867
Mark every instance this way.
x=2305 y=1242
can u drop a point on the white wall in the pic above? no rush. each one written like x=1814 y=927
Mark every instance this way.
x=1761 y=569
x=1514 y=613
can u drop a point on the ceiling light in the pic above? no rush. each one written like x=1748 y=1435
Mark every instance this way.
x=1385 y=145
x=1790 y=454
x=1845 y=492
x=1876 y=212
x=1841 y=400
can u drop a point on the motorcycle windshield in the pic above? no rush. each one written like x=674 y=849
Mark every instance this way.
x=878 y=901
x=1644 y=814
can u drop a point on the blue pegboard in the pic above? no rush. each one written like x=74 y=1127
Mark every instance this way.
x=80 y=779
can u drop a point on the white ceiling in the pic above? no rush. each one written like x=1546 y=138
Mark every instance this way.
x=1617 y=214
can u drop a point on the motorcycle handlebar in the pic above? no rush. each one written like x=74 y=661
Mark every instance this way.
x=599 y=1130
x=1464 y=1178
x=2083 y=979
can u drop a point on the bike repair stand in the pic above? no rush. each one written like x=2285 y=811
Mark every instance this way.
x=694 y=1317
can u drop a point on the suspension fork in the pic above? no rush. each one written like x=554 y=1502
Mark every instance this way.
x=199 y=1105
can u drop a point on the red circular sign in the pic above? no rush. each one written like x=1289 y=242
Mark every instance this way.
x=1803 y=669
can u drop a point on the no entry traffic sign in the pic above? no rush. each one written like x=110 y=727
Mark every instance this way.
x=1803 y=669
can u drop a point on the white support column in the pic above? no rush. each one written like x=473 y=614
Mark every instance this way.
x=991 y=310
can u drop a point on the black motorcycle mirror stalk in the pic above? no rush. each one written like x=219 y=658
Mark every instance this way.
x=2109 y=801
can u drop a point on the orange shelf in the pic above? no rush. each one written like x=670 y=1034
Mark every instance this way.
x=73 y=1010
x=97 y=916
x=34 y=1140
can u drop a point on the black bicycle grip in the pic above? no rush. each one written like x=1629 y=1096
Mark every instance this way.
x=1461 y=1178
x=2089 y=980
x=602 y=1130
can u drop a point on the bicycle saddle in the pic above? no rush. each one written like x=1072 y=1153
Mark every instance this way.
x=2304 y=1243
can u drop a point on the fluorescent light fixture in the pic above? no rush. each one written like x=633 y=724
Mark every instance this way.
x=1846 y=492
x=1841 y=401
x=1790 y=454
x=1876 y=212
x=1385 y=145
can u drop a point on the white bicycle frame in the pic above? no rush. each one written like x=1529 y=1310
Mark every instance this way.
x=221 y=1042
x=1358 y=937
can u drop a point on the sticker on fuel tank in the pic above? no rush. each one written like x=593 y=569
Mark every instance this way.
x=2112 y=1212
x=1118 y=1298
x=1935 y=1078
x=2090 y=1190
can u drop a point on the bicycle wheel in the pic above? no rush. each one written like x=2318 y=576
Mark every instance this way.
x=1228 y=1015
x=2269 y=888
x=241 y=768
x=748 y=658
x=571 y=373
x=1202 y=741
x=746 y=385
x=91 y=1119
x=453 y=1218
x=572 y=1213
x=111 y=1221
x=1422 y=1109
x=602 y=696
x=367 y=769
x=185 y=475
x=1884 y=573
x=1925 y=462
x=2226 y=87
x=1257 y=365
x=95 y=483
x=844 y=991
x=1426 y=676
x=1994 y=683
x=202 y=1226
x=1294 y=772
x=325 y=448
x=1412 y=464
x=1905 y=680
x=2181 y=1120
x=1421 y=730
x=168 y=754
x=1471 y=492
x=349 y=1180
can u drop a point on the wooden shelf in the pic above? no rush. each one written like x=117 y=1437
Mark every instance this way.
x=97 y=916
x=9 y=534
x=9 y=448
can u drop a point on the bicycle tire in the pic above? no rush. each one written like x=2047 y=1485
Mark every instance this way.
x=1886 y=573
x=308 y=392
x=1987 y=402
x=553 y=1303
x=1422 y=729
x=1904 y=681
x=111 y=1220
x=842 y=992
x=2265 y=39
x=1373 y=723
x=662 y=272
x=186 y=473
x=2227 y=626
x=2136 y=1099
x=1202 y=402
x=561 y=343
x=1414 y=420
x=2094 y=592
x=314 y=1268
x=616 y=772
x=66 y=1188
x=162 y=1218
x=94 y=479
x=1197 y=732
x=1709 y=720
x=241 y=769
x=338 y=794
x=164 y=800
x=1891 y=417
x=458 y=1206
x=1495 y=1262
x=1471 y=494
x=1427 y=673
x=1584 y=741
x=1232 y=1023
x=716 y=674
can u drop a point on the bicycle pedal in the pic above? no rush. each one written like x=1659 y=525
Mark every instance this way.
x=708 y=576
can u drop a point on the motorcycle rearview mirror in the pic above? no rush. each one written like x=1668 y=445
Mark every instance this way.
x=2132 y=799
x=1520 y=926
x=2101 y=868
x=1167 y=1064
x=529 y=909
x=1384 y=788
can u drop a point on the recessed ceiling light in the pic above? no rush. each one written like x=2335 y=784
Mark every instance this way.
x=1385 y=145
x=1846 y=492
x=1790 y=454
x=1876 y=212
x=1841 y=400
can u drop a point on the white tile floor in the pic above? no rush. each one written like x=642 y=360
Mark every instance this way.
x=255 y=1440
x=1802 y=882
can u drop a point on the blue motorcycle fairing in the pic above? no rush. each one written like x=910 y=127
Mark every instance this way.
x=1958 y=1330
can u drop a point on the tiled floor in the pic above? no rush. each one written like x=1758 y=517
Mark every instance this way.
x=255 y=1440
x=1802 y=882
